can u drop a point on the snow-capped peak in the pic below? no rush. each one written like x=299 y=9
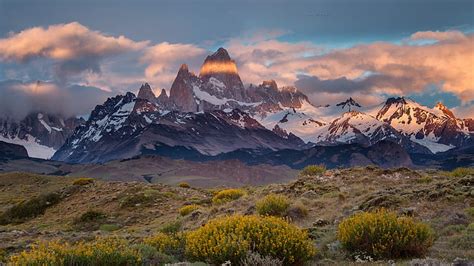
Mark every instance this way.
x=349 y=104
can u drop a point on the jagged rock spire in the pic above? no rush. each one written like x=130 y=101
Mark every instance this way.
x=146 y=93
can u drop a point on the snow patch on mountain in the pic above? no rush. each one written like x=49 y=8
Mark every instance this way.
x=34 y=149
x=432 y=146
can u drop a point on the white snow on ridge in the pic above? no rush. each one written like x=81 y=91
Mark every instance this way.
x=40 y=118
x=34 y=149
x=431 y=145
x=205 y=96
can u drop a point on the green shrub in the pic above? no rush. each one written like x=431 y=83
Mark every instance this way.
x=470 y=211
x=297 y=211
x=227 y=195
x=382 y=234
x=424 y=179
x=462 y=171
x=135 y=200
x=312 y=170
x=151 y=256
x=184 y=185
x=29 y=209
x=255 y=259
x=109 y=227
x=172 y=227
x=102 y=251
x=231 y=238
x=91 y=216
x=465 y=240
x=272 y=204
x=3 y=256
x=188 y=209
x=83 y=181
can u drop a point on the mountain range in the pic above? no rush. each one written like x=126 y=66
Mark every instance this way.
x=213 y=115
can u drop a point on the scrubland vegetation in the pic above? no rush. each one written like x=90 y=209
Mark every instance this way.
x=340 y=216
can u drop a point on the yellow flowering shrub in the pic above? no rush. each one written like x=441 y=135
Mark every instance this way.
x=231 y=238
x=227 y=195
x=185 y=210
x=312 y=170
x=82 y=181
x=382 y=234
x=272 y=204
x=164 y=243
x=462 y=171
x=184 y=185
x=102 y=251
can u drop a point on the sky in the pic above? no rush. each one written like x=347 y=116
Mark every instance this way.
x=55 y=52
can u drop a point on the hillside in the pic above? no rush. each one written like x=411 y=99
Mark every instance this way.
x=134 y=210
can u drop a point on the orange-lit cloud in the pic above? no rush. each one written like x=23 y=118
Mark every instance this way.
x=63 y=42
x=163 y=61
x=438 y=35
x=379 y=67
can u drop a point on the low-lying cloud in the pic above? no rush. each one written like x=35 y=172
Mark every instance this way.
x=20 y=99
x=73 y=47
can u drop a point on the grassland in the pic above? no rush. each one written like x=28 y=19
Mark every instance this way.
x=317 y=203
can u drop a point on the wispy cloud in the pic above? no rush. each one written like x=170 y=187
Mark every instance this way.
x=73 y=47
x=21 y=98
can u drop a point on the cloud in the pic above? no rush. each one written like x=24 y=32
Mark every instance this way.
x=263 y=57
x=21 y=98
x=464 y=111
x=379 y=67
x=438 y=35
x=73 y=47
x=163 y=61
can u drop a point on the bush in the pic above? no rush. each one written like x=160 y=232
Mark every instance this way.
x=184 y=185
x=172 y=227
x=91 y=216
x=151 y=256
x=83 y=181
x=29 y=209
x=102 y=251
x=255 y=259
x=470 y=212
x=167 y=244
x=272 y=204
x=188 y=209
x=227 y=195
x=424 y=179
x=230 y=238
x=90 y=220
x=109 y=227
x=312 y=170
x=381 y=234
x=297 y=211
x=462 y=171
x=135 y=200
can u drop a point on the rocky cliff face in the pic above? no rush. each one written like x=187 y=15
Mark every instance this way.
x=424 y=125
x=145 y=92
x=119 y=129
x=12 y=151
x=182 y=90
x=40 y=133
x=219 y=74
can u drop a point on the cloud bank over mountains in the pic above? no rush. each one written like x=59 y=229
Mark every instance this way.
x=100 y=64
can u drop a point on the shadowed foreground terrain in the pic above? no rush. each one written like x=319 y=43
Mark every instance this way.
x=318 y=203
